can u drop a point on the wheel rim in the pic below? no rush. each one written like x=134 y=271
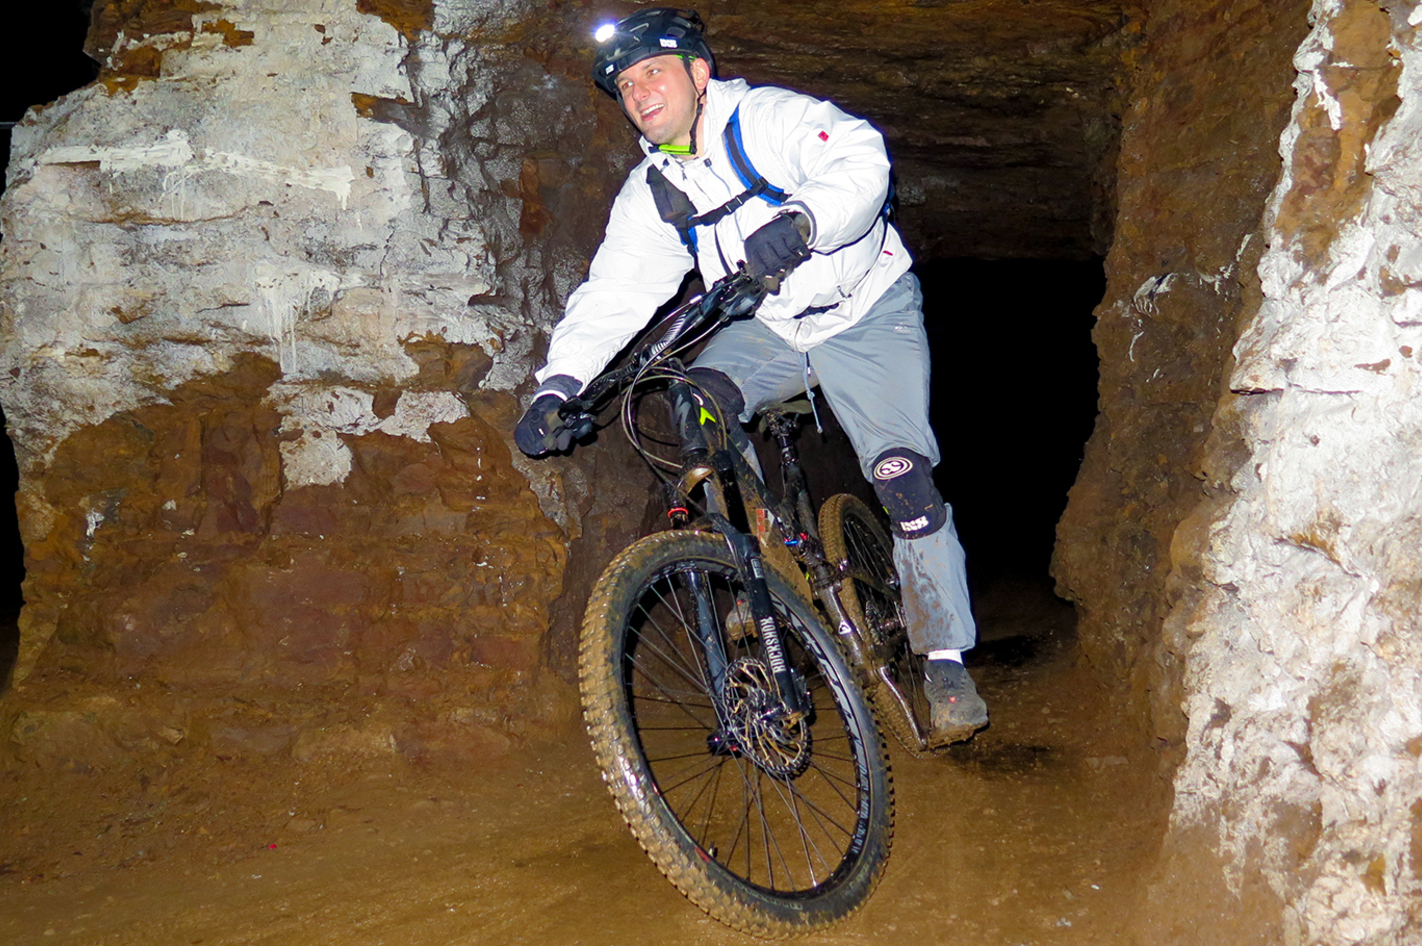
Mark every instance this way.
x=781 y=806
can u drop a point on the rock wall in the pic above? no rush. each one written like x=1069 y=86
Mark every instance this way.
x=1243 y=538
x=268 y=293
x=1300 y=598
x=1198 y=161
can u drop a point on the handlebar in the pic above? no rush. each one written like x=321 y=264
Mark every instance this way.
x=733 y=295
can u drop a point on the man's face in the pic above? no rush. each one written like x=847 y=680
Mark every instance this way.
x=660 y=97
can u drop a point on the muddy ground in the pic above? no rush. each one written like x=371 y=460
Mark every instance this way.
x=1040 y=831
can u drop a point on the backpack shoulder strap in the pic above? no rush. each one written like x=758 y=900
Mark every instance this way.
x=673 y=206
x=751 y=179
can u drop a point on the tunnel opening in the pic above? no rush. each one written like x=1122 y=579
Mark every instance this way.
x=1014 y=400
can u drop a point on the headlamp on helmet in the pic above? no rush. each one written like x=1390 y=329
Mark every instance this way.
x=645 y=34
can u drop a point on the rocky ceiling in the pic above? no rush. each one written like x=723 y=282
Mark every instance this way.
x=1002 y=115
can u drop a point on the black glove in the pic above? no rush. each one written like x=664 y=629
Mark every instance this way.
x=777 y=248
x=541 y=430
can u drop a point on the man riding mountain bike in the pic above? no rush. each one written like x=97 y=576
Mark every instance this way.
x=797 y=190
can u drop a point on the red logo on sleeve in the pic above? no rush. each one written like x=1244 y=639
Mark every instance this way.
x=824 y=136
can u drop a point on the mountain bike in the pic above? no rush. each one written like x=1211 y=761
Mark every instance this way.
x=728 y=665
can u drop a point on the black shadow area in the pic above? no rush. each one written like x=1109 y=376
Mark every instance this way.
x=1014 y=400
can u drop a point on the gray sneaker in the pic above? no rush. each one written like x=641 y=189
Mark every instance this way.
x=956 y=709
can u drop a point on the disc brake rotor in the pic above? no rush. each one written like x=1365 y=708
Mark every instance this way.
x=759 y=723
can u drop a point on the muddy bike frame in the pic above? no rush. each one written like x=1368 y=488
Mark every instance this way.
x=737 y=503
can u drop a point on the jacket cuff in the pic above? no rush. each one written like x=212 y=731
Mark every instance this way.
x=796 y=207
x=563 y=386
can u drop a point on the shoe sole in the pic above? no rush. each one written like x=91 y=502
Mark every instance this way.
x=947 y=737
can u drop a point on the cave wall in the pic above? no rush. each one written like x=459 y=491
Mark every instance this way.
x=270 y=291
x=1197 y=163
x=271 y=288
x=1242 y=542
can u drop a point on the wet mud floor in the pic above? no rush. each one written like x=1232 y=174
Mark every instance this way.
x=1041 y=831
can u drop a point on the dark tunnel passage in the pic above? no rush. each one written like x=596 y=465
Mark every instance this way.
x=1014 y=400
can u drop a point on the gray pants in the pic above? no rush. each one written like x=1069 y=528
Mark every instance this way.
x=875 y=376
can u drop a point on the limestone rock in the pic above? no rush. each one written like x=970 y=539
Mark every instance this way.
x=267 y=302
x=1242 y=537
x=1304 y=689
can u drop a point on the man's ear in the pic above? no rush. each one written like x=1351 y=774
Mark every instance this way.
x=700 y=73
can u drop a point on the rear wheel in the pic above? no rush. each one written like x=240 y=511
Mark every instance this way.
x=772 y=824
x=853 y=535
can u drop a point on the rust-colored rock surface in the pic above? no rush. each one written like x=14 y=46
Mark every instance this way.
x=271 y=289
x=1001 y=116
x=1242 y=538
x=1198 y=161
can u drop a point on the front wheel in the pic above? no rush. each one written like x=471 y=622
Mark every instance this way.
x=859 y=545
x=773 y=823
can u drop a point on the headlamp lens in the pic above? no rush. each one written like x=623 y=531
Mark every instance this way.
x=605 y=32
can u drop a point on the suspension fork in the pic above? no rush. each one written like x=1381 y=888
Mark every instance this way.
x=705 y=463
x=698 y=469
x=746 y=551
x=712 y=468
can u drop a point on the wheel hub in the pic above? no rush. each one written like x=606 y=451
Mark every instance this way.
x=758 y=722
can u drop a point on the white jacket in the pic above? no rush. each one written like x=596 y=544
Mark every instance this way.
x=834 y=168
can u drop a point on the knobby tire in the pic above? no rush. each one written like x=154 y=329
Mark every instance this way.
x=776 y=839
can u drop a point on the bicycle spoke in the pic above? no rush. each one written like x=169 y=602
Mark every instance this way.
x=773 y=799
x=691 y=670
x=819 y=810
x=790 y=796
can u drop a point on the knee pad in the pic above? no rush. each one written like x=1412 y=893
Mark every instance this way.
x=903 y=481
x=720 y=386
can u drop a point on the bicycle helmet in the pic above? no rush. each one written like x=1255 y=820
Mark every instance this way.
x=645 y=34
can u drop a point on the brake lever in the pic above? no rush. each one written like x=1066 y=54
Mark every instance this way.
x=580 y=426
x=577 y=417
x=743 y=298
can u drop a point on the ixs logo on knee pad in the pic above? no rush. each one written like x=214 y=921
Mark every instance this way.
x=891 y=467
x=913 y=525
